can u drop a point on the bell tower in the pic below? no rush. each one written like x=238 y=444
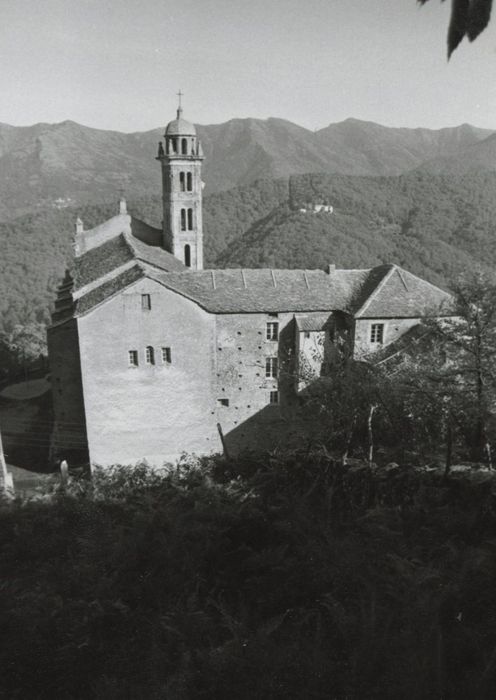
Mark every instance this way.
x=181 y=160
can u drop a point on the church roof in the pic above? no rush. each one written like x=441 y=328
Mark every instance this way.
x=180 y=126
x=374 y=293
x=264 y=290
x=120 y=250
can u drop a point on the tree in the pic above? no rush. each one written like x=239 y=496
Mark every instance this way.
x=468 y=18
x=448 y=380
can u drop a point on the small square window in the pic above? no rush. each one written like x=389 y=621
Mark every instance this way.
x=271 y=367
x=223 y=402
x=272 y=330
x=166 y=356
x=146 y=302
x=133 y=358
x=274 y=397
x=377 y=333
x=149 y=355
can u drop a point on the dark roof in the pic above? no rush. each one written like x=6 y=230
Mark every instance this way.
x=251 y=291
x=156 y=256
x=315 y=322
x=98 y=262
x=391 y=292
x=132 y=250
x=263 y=290
x=96 y=296
x=118 y=251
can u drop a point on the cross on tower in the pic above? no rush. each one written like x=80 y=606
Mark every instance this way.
x=180 y=108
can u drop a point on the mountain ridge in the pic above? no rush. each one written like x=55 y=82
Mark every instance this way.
x=68 y=164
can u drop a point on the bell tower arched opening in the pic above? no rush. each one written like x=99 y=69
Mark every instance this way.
x=181 y=161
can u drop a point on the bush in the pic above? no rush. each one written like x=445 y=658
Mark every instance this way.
x=281 y=577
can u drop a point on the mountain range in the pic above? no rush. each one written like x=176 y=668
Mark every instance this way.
x=67 y=164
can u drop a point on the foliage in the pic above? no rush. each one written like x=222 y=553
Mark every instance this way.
x=434 y=225
x=283 y=577
x=468 y=18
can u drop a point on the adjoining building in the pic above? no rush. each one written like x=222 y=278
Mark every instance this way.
x=150 y=354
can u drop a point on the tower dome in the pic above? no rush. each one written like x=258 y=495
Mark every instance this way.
x=179 y=126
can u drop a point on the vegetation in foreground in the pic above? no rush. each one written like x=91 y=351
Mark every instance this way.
x=282 y=577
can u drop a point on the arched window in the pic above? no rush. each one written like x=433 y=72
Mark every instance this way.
x=190 y=219
x=182 y=183
x=183 y=219
x=184 y=147
x=187 y=255
x=189 y=181
x=149 y=355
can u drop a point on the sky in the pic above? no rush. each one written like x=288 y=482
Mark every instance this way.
x=118 y=64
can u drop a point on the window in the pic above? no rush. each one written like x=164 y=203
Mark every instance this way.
x=133 y=358
x=183 y=219
x=306 y=334
x=146 y=302
x=271 y=367
x=182 y=182
x=184 y=147
x=377 y=333
x=189 y=181
x=166 y=356
x=190 y=219
x=149 y=355
x=272 y=330
x=187 y=255
x=223 y=402
x=274 y=397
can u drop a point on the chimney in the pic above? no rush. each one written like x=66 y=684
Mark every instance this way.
x=79 y=225
x=331 y=269
x=122 y=206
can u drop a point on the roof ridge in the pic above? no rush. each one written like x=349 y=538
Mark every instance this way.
x=378 y=287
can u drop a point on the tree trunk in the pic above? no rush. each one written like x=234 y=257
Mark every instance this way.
x=449 y=447
x=370 y=433
x=344 y=458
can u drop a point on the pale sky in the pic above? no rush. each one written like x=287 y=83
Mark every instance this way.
x=117 y=64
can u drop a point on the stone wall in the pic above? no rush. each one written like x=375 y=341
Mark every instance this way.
x=394 y=328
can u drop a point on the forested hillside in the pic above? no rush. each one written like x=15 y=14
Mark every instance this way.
x=68 y=164
x=433 y=225
x=37 y=248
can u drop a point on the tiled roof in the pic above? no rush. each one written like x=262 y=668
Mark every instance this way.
x=118 y=251
x=96 y=296
x=124 y=249
x=98 y=262
x=262 y=290
x=315 y=322
x=155 y=255
x=251 y=291
x=396 y=293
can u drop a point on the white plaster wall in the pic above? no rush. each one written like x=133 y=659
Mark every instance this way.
x=152 y=412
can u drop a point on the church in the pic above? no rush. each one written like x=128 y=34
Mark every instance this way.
x=151 y=356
